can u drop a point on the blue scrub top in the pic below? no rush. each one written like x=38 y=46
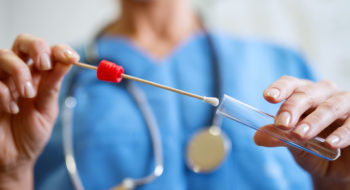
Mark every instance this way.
x=111 y=139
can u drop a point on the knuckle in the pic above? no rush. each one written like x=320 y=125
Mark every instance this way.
x=307 y=84
x=4 y=52
x=345 y=131
x=63 y=46
x=22 y=36
x=39 y=44
x=289 y=104
x=306 y=81
x=55 y=90
x=329 y=106
x=60 y=47
x=344 y=95
x=329 y=84
x=306 y=93
x=311 y=100
x=303 y=90
x=20 y=71
x=288 y=78
x=3 y=90
x=317 y=116
x=293 y=105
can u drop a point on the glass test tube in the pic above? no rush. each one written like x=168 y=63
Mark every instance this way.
x=256 y=119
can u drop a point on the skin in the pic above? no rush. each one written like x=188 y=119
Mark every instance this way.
x=27 y=115
x=322 y=109
x=26 y=123
x=165 y=23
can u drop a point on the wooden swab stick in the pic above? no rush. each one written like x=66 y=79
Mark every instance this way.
x=211 y=100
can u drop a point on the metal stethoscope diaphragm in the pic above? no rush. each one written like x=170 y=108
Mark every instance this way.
x=205 y=152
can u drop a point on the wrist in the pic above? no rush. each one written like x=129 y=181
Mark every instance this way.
x=326 y=184
x=20 y=178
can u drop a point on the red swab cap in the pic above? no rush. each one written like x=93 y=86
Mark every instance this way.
x=109 y=71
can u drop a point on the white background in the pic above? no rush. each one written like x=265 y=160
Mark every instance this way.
x=320 y=28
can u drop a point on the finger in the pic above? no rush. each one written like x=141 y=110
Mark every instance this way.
x=13 y=90
x=64 y=54
x=340 y=138
x=49 y=87
x=19 y=71
x=262 y=138
x=6 y=101
x=36 y=48
x=302 y=99
x=282 y=89
x=324 y=115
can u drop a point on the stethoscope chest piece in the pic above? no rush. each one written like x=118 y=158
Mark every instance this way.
x=207 y=149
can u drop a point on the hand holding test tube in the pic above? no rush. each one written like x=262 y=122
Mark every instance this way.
x=257 y=119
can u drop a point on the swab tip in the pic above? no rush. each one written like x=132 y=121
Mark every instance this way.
x=211 y=100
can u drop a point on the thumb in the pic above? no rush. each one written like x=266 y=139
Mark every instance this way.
x=262 y=138
x=310 y=163
x=50 y=83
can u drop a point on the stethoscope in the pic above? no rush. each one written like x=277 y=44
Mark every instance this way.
x=206 y=149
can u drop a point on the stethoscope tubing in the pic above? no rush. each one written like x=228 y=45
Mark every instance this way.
x=148 y=115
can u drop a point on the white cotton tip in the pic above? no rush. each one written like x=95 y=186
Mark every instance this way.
x=211 y=100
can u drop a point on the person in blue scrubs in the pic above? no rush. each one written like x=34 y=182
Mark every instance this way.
x=163 y=41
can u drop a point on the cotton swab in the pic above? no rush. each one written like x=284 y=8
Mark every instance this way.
x=111 y=72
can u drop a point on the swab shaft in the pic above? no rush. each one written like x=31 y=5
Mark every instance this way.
x=86 y=66
x=162 y=86
x=149 y=82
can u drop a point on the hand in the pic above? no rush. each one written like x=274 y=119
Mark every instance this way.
x=29 y=100
x=313 y=109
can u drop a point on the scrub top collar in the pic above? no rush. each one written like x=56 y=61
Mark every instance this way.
x=135 y=60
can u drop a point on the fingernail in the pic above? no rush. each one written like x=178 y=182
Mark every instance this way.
x=283 y=119
x=273 y=92
x=302 y=129
x=14 y=108
x=45 y=62
x=29 y=90
x=333 y=140
x=70 y=54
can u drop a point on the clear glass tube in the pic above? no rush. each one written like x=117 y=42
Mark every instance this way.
x=256 y=119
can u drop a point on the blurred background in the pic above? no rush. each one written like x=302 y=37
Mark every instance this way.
x=318 y=28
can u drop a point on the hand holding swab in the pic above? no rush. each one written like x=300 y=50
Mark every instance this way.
x=109 y=71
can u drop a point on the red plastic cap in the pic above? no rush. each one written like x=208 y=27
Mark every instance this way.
x=109 y=71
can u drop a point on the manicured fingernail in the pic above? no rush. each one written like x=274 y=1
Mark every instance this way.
x=29 y=90
x=273 y=92
x=333 y=140
x=45 y=62
x=302 y=129
x=70 y=54
x=283 y=119
x=14 y=107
